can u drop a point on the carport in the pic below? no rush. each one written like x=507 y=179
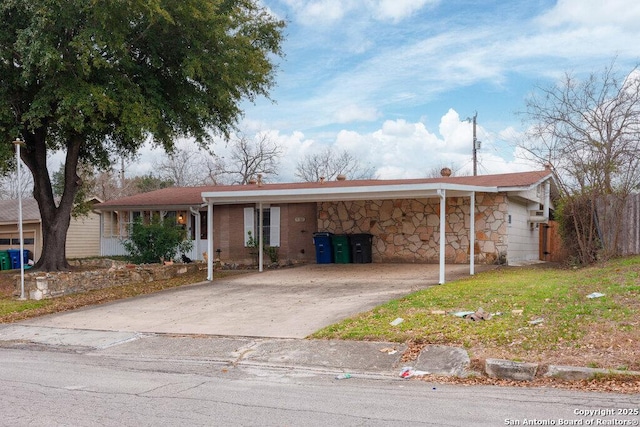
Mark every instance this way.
x=334 y=191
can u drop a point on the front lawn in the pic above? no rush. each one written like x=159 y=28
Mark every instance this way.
x=540 y=314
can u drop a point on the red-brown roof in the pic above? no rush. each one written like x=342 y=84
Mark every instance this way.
x=171 y=196
x=517 y=179
x=180 y=197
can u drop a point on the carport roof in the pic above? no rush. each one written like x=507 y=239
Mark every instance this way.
x=174 y=198
x=373 y=189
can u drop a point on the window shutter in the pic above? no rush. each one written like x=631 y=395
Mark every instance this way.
x=248 y=225
x=274 y=238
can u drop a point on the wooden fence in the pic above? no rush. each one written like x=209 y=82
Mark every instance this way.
x=619 y=222
x=551 y=248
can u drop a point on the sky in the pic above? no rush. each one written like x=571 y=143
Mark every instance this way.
x=394 y=81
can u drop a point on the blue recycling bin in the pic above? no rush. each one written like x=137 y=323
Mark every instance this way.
x=25 y=257
x=14 y=258
x=322 y=242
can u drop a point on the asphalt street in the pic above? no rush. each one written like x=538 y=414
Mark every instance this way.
x=62 y=388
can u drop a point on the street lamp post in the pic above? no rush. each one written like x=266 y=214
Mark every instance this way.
x=18 y=143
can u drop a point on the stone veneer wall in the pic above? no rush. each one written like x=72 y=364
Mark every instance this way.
x=408 y=230
x=108 y=273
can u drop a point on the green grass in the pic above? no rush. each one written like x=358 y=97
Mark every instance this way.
x=556 y=295
x=8 y=306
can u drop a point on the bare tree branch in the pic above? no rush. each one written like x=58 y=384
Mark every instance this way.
x=589 y=132
x=250 y=157
x=328 y=164
x=185 y=167
x=9 y=185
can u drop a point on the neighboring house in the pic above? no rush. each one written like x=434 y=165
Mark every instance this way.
x=31 y=231
x=83 y=236
x=411 y=220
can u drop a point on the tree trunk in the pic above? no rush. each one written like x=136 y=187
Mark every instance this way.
x=54 y=237
x=55 y=219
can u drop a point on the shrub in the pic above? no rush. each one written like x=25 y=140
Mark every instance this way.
x=156 y=241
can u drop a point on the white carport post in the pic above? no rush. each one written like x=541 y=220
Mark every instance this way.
x=260 y=237
x=209 y=240
x=472 y=233
x=443 y=210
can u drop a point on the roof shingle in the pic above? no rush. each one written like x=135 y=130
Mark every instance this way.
x=9 y=211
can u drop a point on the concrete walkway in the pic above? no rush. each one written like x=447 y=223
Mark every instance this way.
x=286 y=303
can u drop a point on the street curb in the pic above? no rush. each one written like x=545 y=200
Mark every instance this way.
x=522 y=371
x=576 y=373
x=360 y=358
x=510 y=370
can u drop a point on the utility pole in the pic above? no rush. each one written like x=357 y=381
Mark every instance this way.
x=122 y=168
x=475 y=150
x=476 y=144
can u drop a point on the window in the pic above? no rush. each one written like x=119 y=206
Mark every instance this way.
x=270 y=225
x=266 y=224
x=203 y=225
x=25 y=241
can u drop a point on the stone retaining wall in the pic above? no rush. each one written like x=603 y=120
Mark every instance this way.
x=408 y=230
x=41 y=285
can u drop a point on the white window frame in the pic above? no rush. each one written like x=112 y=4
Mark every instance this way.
x=274 y=225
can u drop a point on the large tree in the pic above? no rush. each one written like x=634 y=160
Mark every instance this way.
x=97 y=78
x=588 y=131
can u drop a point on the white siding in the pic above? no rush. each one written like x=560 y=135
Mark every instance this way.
x=83 y=237
x=523 y=241
x=110 y=246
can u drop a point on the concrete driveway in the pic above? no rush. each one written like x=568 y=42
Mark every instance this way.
x=286 y=303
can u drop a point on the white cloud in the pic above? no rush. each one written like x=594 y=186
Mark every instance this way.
x=355 y=113
x=402 y=149
x=317 y=12
x=458 y=134
x=396 y=10
x=594 y=13
x=314 y=12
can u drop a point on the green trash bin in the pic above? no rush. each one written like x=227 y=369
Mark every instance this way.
x=5 y=261
x=341 y=250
